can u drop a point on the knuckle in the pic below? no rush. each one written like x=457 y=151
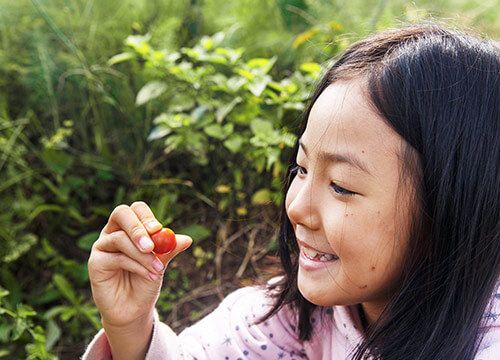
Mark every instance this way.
x=120 y=234
x=114 y=239
x=97 y=244
x=136 y=231
x=120 y=258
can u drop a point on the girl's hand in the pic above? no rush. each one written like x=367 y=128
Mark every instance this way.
x=125 y=275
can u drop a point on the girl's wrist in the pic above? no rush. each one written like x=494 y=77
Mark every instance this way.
x=130 y=327
x=132 y=341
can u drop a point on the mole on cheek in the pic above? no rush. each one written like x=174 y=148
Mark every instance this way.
x=373 y=268
x=363 y=287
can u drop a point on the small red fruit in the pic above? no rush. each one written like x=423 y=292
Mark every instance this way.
x=164 y=241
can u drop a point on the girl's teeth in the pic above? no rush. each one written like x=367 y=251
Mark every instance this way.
x=319 y=256
x=326 y=257
x=310 y=252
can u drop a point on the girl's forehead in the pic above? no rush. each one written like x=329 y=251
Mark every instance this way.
x=342 y=119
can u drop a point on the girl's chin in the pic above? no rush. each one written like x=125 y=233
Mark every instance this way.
x=316 y=292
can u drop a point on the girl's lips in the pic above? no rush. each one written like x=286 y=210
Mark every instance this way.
x=306 y=263
x=304 y=245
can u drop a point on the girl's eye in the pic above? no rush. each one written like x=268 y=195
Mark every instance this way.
x=298 y=169
x=341 y=191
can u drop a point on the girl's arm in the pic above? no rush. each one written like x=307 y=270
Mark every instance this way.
x=162 y=343
x=228 y=331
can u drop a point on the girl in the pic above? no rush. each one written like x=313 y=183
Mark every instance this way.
x=389 y=237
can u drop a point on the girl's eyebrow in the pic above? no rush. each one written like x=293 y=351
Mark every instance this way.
x=346 y=158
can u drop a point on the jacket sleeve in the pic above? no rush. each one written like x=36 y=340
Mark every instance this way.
x=489 y=348
x=162 y=346
x=230 y=331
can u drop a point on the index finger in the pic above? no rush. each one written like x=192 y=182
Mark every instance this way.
x=124 y=218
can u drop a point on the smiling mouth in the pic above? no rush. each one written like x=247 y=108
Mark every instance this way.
x=315 y=255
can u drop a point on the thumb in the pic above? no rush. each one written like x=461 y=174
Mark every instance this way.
x=183 y=242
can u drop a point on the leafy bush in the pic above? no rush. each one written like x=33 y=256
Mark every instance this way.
x=218 y=108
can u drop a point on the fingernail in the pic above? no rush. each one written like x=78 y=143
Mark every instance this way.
x=153 y=225
x=145 y=243
x=157 y=265
x=153 y=277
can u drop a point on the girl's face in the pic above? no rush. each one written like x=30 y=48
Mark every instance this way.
x=344 y=201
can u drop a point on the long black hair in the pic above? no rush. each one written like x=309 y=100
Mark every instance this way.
x=439 y=90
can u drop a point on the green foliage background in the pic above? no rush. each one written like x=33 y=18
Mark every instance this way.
x=191 y=106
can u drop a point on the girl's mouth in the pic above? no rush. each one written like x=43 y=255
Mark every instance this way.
x=312 y=259
x=316 y=255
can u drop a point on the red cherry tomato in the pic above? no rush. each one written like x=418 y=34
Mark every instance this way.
x=164 y=241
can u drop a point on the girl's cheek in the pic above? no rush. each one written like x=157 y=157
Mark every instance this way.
x=339 y=227
x=350 y=233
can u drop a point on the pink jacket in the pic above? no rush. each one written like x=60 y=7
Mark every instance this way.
x=229 y=333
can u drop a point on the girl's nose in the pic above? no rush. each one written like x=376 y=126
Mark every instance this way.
x=302 y=205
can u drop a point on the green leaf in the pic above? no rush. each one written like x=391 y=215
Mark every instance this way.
x=54 y=311
x=68 y=313
x=236 y=82
x=272 y=156
x=92 y=314
x=25 y=311
x=3 y=292
x=232 y=54
x=263 y=64
x=258 y=85
x=75 y=214
x=4 y=352
x=261 y=127
x=310 y=67
x=159 y=132
x=150 y=91
x=215 y=131
x=181 y=102
x=58 y=161
x=245 y=74
x=5 y=331
x=53 y=334
x=19 y=327
x=234 y=143
x=218 y=37
x=139 y=43
x=119 y=58
x=228 y=129
x=86 y=241
x=261 y=197
x=137 y=40
x=25 y=244
x=207 y=42
x=198 y=112
x=11 y=283
x=64 y=286
x=226 y=109
x=196 y=231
